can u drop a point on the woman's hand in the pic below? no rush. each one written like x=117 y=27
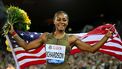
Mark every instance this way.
x=110 y=32
x=11 y=29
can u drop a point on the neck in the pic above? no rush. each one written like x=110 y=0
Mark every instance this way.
x=59 y=34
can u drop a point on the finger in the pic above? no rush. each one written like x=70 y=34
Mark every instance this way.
x=10 y=24
x=106 y=29
x=110 y=32
x=111 y=27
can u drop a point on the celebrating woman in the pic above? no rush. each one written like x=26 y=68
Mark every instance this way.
x=58 y=43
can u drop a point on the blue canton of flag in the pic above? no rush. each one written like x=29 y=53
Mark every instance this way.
x=27 y=36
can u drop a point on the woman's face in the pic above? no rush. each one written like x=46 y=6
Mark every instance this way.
x=61 y=21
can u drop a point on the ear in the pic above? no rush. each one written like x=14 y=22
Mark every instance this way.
x=54 y=21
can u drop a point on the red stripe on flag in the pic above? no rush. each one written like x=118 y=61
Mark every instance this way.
x=32 y=52
x=27 y=57
x=91 y=42
x=112 y=54
x=115 y=41
x=32 y=63
x=73 y=51
x=112 y=48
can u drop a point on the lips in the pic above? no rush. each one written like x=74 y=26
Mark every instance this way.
x=60 y=26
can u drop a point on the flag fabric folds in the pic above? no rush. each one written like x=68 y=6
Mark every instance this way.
x=112 y=47
x=30 y=57
x=27 y=58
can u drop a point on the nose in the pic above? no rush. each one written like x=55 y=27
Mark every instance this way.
x=61 y=20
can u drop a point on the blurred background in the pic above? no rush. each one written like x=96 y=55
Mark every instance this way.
x=81 y=12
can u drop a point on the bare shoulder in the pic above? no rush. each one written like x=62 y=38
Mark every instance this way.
x=43 y=36
x=72 y=38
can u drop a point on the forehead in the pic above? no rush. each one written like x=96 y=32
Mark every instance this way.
x=61 y=15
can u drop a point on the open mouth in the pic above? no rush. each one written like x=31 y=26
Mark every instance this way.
x=61 y=26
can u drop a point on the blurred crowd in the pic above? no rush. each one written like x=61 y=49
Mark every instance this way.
x=83 y=60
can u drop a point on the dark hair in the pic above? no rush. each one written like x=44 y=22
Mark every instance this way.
x=61 y=12
x=57 y=13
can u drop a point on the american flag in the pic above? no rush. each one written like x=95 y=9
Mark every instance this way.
x=112 y=47
x=30 y=57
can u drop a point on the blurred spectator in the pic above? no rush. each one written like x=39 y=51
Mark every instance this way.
x=10 y=66
x=87 y=28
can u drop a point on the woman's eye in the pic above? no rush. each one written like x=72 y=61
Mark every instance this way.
x=64 y=20
x=58 y=19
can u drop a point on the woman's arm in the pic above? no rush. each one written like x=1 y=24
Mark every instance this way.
x=30 y=45
x=22 y=43
x=87 y=47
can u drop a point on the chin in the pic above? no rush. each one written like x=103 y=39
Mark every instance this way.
x=61 y=30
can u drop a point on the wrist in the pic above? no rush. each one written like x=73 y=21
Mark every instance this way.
x=13 y=33
x=107 y=36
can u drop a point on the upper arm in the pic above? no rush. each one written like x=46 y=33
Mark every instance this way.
x=80 y=44
x=37 y=42
x=83 y=46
